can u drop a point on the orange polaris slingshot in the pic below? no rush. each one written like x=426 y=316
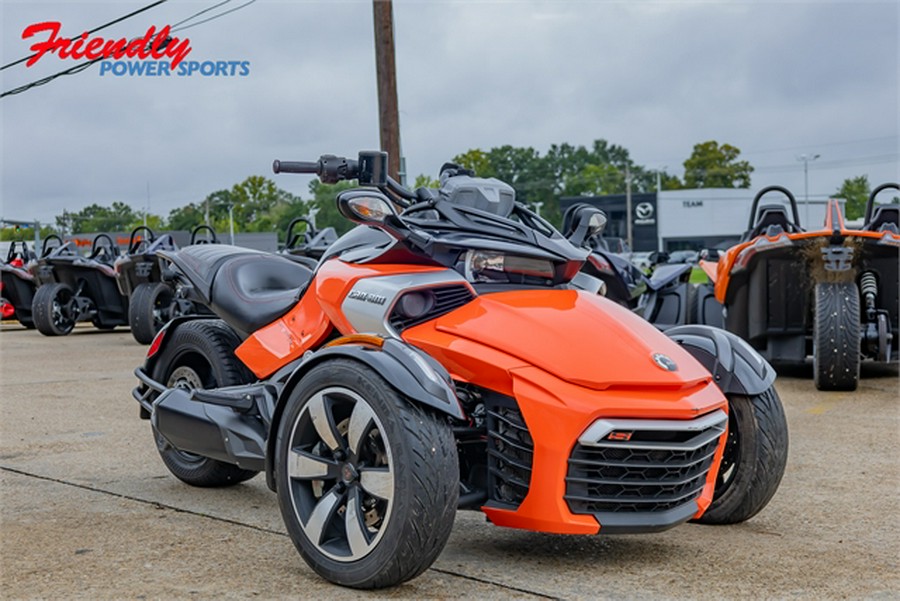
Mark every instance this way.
x=447 y=358
x=831 y=293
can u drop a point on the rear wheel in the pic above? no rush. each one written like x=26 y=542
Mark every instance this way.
x=754 y=458
x=200 y=354
x=367 y=482
x=836 y=333
x=149 y=309
x=52 y=309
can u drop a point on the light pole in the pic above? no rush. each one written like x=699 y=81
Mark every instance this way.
x=628 y=208
x=537 y=207
x=231 y=222
x=806 y=158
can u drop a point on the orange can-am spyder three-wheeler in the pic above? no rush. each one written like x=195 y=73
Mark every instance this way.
x=450 y=356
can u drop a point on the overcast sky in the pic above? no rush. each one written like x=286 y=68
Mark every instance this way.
x=775 y=79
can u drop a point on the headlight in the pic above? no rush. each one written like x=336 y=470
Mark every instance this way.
x=487 y=266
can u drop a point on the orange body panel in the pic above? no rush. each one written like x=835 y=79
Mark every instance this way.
x=584 y=339
x=268 y=349
x=564 y=378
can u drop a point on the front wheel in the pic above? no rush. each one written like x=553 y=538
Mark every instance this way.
x=200 y=354
x=149 y=309
x=754 y=458
x=52 y=309
x=367 y=481
x=836 y=334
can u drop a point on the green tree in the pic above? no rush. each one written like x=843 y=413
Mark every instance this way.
x=594 y=180
x=185 y=218
x=855 y=191
x=96 y=218
x=324 y=200
x=18 y=233
x=713 y=166
x=426 y=181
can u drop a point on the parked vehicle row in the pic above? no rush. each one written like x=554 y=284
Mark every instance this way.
x=829 y=294
x=454 y=351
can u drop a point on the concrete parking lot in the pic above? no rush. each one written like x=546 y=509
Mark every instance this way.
x=87 y=509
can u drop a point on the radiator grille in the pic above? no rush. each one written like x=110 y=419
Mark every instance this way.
x=642 y=466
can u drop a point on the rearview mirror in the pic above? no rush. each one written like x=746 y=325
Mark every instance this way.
x=367 y=206
x=588 y=222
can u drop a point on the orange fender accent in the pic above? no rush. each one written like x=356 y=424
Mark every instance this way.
x=273 y=346
x=710 y=269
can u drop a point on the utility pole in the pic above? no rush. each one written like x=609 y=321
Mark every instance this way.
x=628 y=210
x=806 y=158
x=388 y=112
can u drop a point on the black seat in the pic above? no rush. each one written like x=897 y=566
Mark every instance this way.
x=772 y=220
x=885 y=219
x=252 y=290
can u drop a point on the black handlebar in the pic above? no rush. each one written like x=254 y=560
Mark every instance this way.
x=295 y=167
x=332 y=169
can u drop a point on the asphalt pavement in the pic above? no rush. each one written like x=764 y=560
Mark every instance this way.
x=88 y=511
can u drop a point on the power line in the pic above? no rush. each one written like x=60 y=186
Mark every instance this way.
x=214 y=17
x=195 y=15
x=104 y=26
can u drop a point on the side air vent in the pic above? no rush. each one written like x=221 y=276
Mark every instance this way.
x=418 y=306
x=510 y=453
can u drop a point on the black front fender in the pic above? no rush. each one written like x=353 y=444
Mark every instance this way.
x=408 y=370
x=735 y=366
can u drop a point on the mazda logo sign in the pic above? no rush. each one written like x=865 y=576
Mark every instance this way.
x=643 y=210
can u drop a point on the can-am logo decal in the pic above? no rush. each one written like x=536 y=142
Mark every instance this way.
x=375 y=299
x=664 y=362
x=148 y=53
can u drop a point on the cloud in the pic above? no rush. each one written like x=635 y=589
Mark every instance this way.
x=655 y=77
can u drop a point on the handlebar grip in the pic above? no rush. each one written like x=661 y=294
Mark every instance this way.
x=295 y=167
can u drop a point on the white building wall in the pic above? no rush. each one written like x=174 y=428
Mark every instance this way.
x=721 y=212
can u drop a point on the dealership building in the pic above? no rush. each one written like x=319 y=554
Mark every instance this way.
x=690 y=219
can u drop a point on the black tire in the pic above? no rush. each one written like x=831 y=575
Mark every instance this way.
x=390 y=465
x=200 y=354
x=836 y=332
x=149 y=309
x=754 y=459
x=50 y=310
